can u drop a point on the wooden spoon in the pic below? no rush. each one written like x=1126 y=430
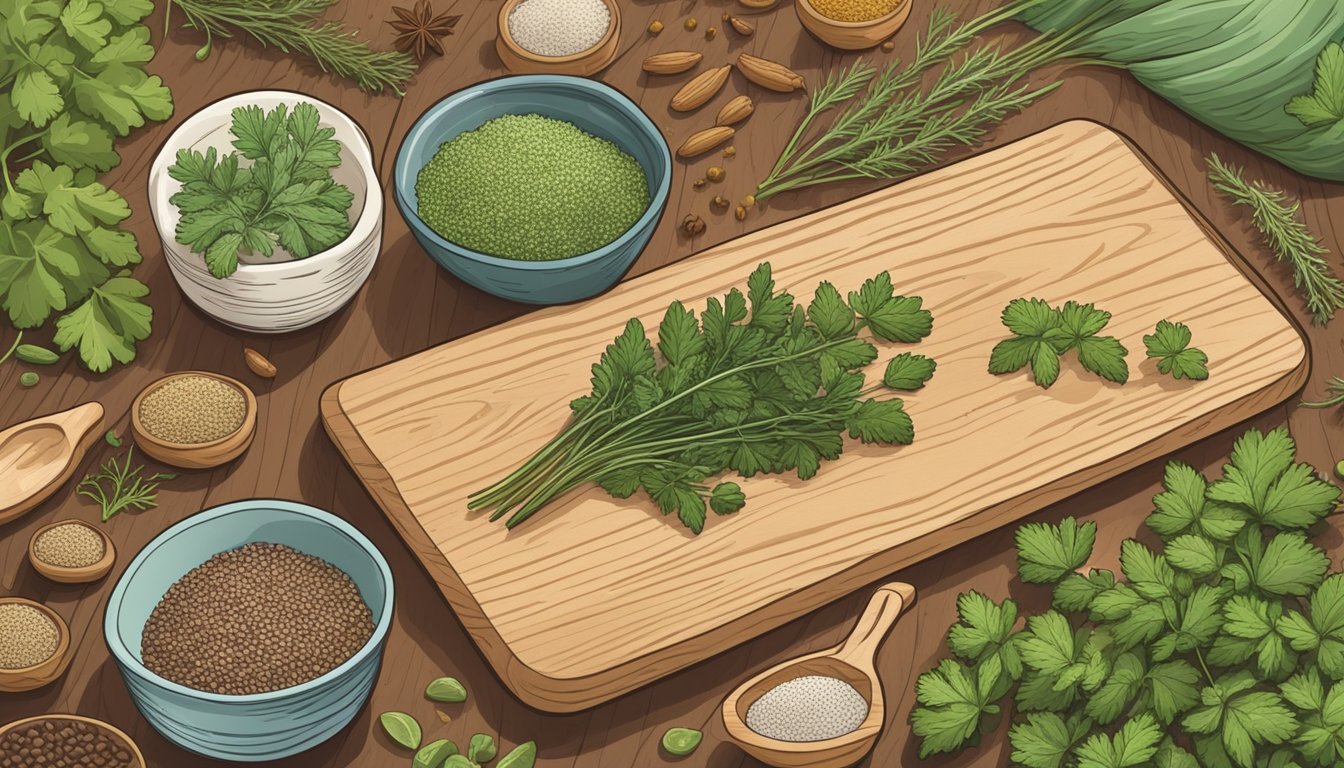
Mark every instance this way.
x=38 y=456
x=851 y=661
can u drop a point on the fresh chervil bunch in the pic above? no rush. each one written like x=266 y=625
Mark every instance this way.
x=72 y=75
x=1221 y=648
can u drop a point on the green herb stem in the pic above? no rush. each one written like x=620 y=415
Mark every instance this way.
x=17 y=340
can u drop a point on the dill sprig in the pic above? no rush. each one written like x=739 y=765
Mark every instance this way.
x=129 y=488
x=1277 y=217
x=295 y=26
x=889 y=127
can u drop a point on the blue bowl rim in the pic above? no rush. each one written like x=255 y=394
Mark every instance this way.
x=125 y=658
x=403 y=174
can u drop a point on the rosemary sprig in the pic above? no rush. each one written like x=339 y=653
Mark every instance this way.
x=130 y=488
x=295 y=26
x=1276 y=216
x=890 y=127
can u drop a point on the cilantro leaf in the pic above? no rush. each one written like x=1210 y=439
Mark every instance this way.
x=952 y=698
x=1182 y=508
x=71 y=207
x=1119 y=688
x=80 y=143
x=881 y=421
x=984 y=627
x=123 y=96
x=1244 y=719
x=1325 y=104
x=1042 y=334
x=1170 y=345
x=909 y=372
x=726 y=498
x=1171 y=687
x=1046 y=553
x=1290 y=565
x=1105 y=357
x=679 y=337
x=1194 y=554
x=1030 y=318
x=1132 y=746
x=1076 y=592
x=83 y=21
x=1322 y=628
x=1045 y=739
x=107 y=325
x=833 y=318
x=1256 y=462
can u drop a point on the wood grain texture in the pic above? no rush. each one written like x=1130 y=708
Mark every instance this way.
x=410 y=304
x=1071 y=213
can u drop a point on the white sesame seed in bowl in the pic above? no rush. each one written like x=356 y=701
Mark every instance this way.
x=559 y=27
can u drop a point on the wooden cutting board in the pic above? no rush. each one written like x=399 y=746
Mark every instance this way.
x=594 y=597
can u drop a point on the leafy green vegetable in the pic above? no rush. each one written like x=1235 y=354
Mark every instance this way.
x=285 y=198
x=1277 y=218
x=1043 y=334
x=1325 y=104
x=74 y=76
x=757 y=384
x=401 y=728
x=1223 y=647
x=1170 y=345
x=118 y=486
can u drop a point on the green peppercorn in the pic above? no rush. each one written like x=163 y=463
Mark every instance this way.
x=29 y=379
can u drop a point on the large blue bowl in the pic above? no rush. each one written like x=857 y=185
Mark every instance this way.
x=597 y=109
x=264 y=726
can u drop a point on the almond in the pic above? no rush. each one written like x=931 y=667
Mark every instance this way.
x=703 y=141
x=701 y=89
x=672 y=63
x=735 y=111
x=744 y=28
x=769 y=74
x=258 y=363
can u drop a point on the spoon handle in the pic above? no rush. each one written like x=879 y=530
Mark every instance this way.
x=884 y=608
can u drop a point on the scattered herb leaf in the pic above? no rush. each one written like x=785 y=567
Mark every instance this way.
x=481 y=749
x=909 y=371
x=680 y=742
x=112 y=439
x=446 y=689
x=522 y=756
x=1042 y=334
x=118 y=486
x=1170 y=344
x=434 y=754
x=401 y=728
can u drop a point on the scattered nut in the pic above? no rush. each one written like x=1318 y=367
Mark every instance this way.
x=258 y=364
x=730 y=151
x=748 y=201
x=691 y=24
x=740 y=214
x=701 y=142
x=693 y=225
x=769 y=74
x=715 y=174
x=710 y=33
x=726 y=16
x=889 y=46
x=444 y=717
x=735 y=111
x=720 y=201
x=744 y=28
x=655 y=27
x=672 y=62
x=700 y=89
x=698 y=184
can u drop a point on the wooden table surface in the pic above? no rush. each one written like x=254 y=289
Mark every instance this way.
x=409 y=304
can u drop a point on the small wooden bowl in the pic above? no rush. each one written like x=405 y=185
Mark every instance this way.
x=38 y=675
x=518 y=59
x=136 y=755
x=65 y=575
x=852 y=35
x=196 y=455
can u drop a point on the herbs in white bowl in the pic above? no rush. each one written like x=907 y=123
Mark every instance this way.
x=757 y=384
x=284 y=197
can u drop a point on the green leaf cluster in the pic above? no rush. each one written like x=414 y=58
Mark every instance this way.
x=758 y=383
x=1043 y=334
x=72 y=78
x=1221 y=647
x=285 y=197
x=1169 y=344
x=1324 y=106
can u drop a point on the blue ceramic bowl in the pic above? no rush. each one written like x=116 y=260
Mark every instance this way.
x=264 y=726
x=597 y=109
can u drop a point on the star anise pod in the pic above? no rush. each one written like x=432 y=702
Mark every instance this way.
x=419 y=29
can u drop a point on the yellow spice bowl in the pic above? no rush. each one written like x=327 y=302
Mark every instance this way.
x=852 y=35
x=47 y=670
x=65 y=574
x=196 y=455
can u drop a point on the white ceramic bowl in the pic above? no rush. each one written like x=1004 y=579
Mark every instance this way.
x=281 y=293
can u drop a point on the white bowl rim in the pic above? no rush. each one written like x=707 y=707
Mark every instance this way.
x=123 y=655
x=369 y=216
x=657 y=197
